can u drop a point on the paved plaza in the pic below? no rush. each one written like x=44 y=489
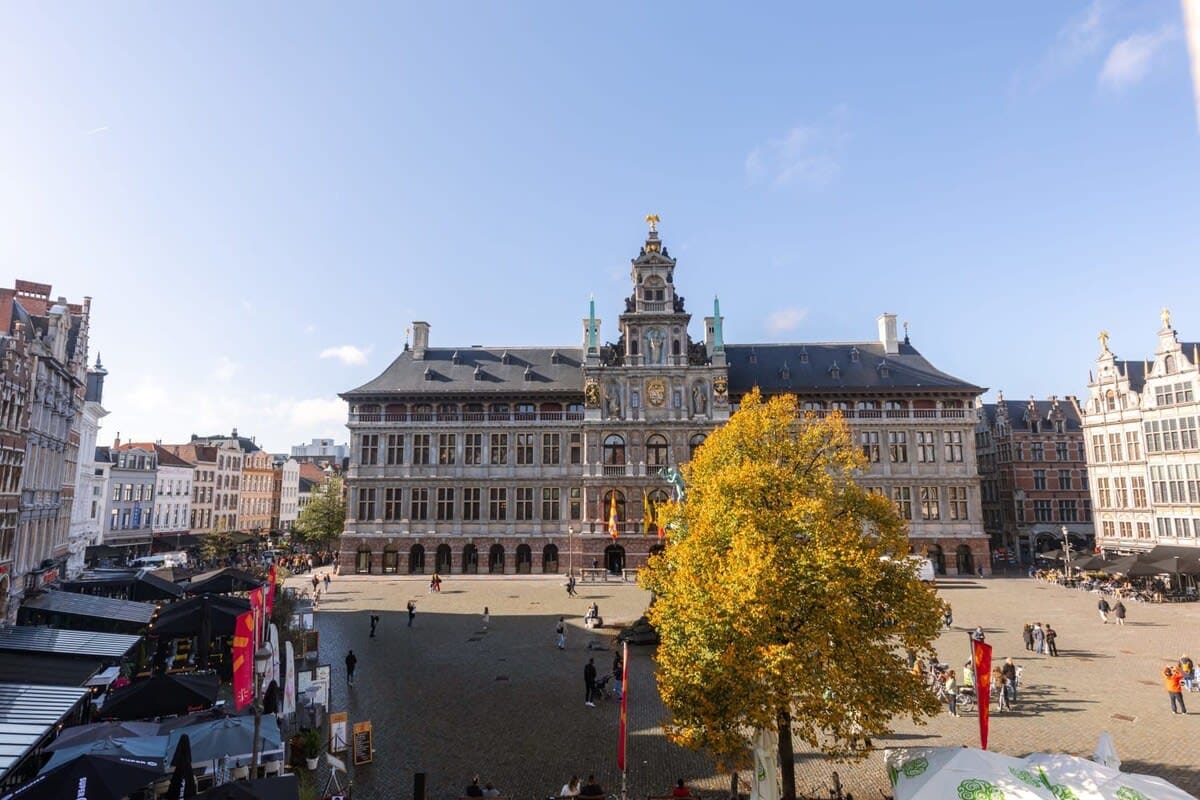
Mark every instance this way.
x=453 y=700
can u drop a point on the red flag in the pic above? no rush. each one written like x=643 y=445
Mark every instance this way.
x=257 y=604
x=271 y=578
x=624 y=705
x=981 y=655
x=612 y=515
x=243 y=660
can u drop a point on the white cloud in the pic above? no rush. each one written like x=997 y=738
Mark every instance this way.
x=315 y=411
x=347 y=354
x=310 y=328
x=94 y=131
x=806 y=154
x=148 y=395
x=1130 y=59
x=226 y=368
x=786 y=319
x=1081 y=36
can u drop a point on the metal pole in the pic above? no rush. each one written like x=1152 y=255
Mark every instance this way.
x=1067 y=550
x=570 y=553
x=257 y=721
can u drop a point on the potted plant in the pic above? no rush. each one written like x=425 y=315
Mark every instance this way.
x=311 y=746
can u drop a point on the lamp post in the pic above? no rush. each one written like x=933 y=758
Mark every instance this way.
x=1067 y=551
x=570 y=552
x=262 y=662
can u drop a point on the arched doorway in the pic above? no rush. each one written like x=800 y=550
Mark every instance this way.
x=550 y=558
x=937 y=558
x=470 y=560
x=614 y=558
x=442 y=561
x=416 y=559
x=362 y=561
x=524 y=559
x=964 y=560
x=496 y=560
x=391 y=561
x=1044 y=540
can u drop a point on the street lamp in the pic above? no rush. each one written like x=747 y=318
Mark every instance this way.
x=570 y=552
x=1067 y=550
x=262 y=662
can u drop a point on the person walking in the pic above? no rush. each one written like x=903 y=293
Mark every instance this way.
x=1172 y=678
x=327 y=581
x=374 y=622
x=315 y=582
x=589 y=682
x=1188 y=669
x=1051 y=640
x=1119 y=612
x=948 y=617
x=618 y=669
x=951 y=686
x=351 y=663
x=1027 y=635
x=412 y=612
x=1009 y=670
x=1039 y=639
x=486 y=616
x=571 y=586
x=1104 y=608
x=561 y=630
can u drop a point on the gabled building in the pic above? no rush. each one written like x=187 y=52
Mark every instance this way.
x=285 y=494
x=547 y=459
x=131 y=491
x=203 y=461
x=89 y=510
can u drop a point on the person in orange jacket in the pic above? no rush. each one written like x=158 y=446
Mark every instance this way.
x=1172 y=678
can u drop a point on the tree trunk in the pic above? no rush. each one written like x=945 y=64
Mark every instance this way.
x=787 y=758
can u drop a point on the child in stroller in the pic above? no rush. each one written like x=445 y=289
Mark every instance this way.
x=602 y=686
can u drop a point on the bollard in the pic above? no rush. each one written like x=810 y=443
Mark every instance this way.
x=418 y=786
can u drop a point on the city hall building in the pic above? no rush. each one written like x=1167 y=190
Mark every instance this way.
x=519 y=459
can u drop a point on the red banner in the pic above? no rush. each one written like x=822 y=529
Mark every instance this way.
x=612 y=515
x=271 y=578
x=257 y=606
x=622 y=730
x=981 y=655
x=243 y=661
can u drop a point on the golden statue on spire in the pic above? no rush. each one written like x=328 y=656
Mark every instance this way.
x=652 y=221
x=1103 y=337
x=1166 y=317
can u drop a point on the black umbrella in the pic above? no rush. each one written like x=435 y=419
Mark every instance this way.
x=204 y=617
x=162 y=695
x=223 y=581
x=1132 y=567
x=92 y=777
x=183 y=778
x=1178 y=566
x=285 y=787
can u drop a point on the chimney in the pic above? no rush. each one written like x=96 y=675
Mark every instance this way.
x=420 y=340
x=887 y=333
x=117 y=441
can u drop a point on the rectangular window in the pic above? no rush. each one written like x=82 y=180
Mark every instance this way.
x=525 y=449
x=1067 y=511
x=926 y=447
x=418 y=508
x=1064 y=479
x=898 y=447
x=1183 y=527
x=524 y=503
x=902 y=497
x=1133 y=447
x=1143 y=530
x=1105 y=495
x=930 y=508
x=576 y=496
x=1060 y=451
x=473 y=449
x=1114 y=447
x=1120 y=498
x=1126 y=530
x=392 y=503
x=1020 y=450
x=1153 y=437
x=421 y=448
x=1039 y=479
x=1039 y=451
x=1187 y=433
x=116 y=491
x=499 y=447
x=1109 y=529
x=1042 y=511
x=958 y=503
x=1139 y=491
x=368 y=453
x=1098 y=452
x=870 y=445
x=129 y=493
x=471 y=504
x=445 y=503
x=366 y=504
x=497 y=502
x=447 y=445
x=551 y=449
x=395 y=449
x=550 y=503
x=952 y=441
x=576 y=448
x=1183 y=393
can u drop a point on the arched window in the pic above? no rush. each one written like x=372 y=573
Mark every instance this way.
x=867 y=405
x=658 y=452
x=694 y=444
x=1169 y=365
x=606 y=505
x=839 y=405
x=448 y=411
x=814 y=405
x=498 y=411
x=1110 y=400
x=614 y=450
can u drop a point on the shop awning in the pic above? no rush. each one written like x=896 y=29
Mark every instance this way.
x=139 y=584
x=28 y=715
x=44 y=670
x=83 y=644
x=82 y=605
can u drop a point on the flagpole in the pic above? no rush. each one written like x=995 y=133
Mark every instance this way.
x=624 y=716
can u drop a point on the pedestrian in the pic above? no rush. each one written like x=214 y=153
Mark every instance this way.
x=981 y=570
x=561 y=630
x=1039 y=639
x=1000 y=684
x=374 y=622
x=977 y=634
x=486 y=617
x=948 y=617
x=1172 y=678
x=412 y=612
x=571 y=586
x=589 y=682
x=595 y=563
x=437 y=583
x=617 y=673
x=951 y=687
x=351 y=663
x=432 y=582
x=1119 y=612
x=570 y=788
x=1104 y=609
x=1009 y=670
x=327 y=580
x=1051 y=640
x=1027 y=635
x=1188 y=669
x=315 y=582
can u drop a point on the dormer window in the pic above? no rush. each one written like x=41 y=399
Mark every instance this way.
x=854 y=355
x=884 y=370
x=835 y=371
x=555 y=357
x=456 y=358
x=478 y=374
x=803 y=355
x=428 y=374
x=505 y=358
x=753 y=356
x=784 y=372
x=1059 y=426
x=528 y=373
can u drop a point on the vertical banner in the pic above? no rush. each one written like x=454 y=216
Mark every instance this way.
x=623 y=728
x=612 y=515
x=257 y=600
x=981 y=657
x=243 y=660
x=273 y=638
x=289 y=678
x=271 y=578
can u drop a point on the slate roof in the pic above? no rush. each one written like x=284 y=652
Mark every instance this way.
x=1136 y=371
x=28 y=715
x=244 y=443
x=84 y=605
x=1017 y=410
x=82 y=644
x=780 y=368
x=480 y=371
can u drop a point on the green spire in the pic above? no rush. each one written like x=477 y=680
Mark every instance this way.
x=592 y=324
x=718 y=339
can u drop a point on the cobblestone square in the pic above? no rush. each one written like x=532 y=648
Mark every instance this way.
x=452 y=699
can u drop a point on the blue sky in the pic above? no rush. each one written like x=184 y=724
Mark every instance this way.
x=261 y=197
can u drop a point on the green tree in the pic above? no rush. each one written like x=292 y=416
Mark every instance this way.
x=784 y=600
x=216 y=545
x=324 y=518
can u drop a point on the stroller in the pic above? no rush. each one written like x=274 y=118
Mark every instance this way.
x=603 y=689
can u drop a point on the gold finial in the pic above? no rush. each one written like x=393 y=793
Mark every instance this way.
x=1166 y=317
x=652 y=221
x=1103 y=337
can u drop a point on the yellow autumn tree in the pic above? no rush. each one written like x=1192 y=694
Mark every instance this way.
x=784 y=600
